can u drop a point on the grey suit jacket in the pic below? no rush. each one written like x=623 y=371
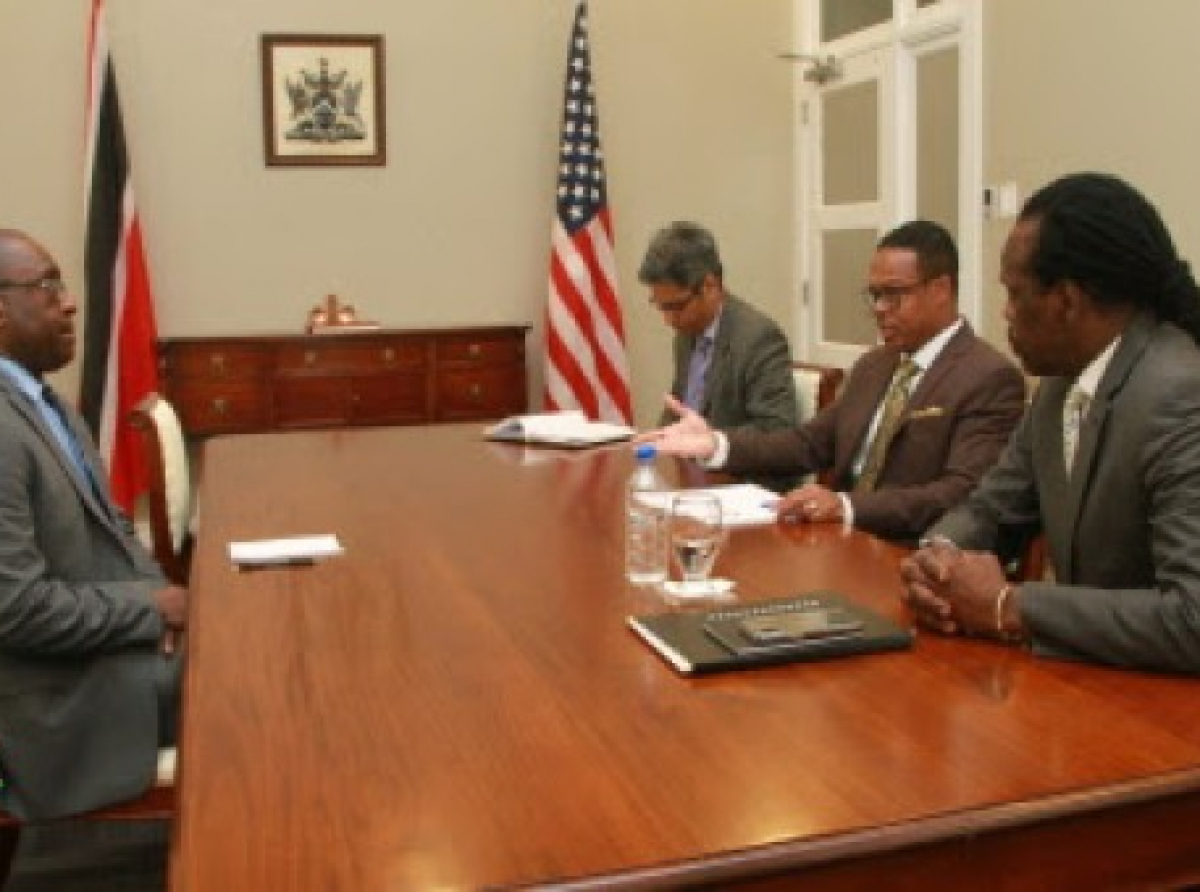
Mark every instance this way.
x=955 y=424
x=80 y=676
x=749 y=383
x=1124 y=530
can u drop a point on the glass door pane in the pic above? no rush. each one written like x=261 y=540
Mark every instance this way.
x=938 y=137
x=845 y=257
x=850 y=204
x=842 y=17
x=850 y=143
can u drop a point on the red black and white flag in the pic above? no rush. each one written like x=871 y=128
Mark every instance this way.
x=119 y=365
x=586 y=366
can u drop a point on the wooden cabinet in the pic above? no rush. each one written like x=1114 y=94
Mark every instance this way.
x=240 y=384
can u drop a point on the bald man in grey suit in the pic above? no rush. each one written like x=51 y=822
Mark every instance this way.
x=1106 y=462
x=89 y=665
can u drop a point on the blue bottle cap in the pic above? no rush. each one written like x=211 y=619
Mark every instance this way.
x=646 y=452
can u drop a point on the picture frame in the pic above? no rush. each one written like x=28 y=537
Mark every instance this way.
x=323 y=100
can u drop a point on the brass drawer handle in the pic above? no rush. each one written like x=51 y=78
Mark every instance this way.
x=220 y=405
x=310 y=356
x=474 y=350
x=476 y=391
x=389 y=355
x=218 y=363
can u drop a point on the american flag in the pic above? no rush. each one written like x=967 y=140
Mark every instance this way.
x=585 y=336
x=119 y=366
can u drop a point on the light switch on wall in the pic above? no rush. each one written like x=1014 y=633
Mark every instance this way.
x=1008 y=200
x=1001 y=202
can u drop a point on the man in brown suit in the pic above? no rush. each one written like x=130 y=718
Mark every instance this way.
x=920 y=418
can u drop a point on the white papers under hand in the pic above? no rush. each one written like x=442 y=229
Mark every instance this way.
x=291 y=551
x=742 y=504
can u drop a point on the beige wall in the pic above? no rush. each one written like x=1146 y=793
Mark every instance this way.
x=694 y=116
x=1092 y=85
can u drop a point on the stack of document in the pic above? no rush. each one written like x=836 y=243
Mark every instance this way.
x=290 y=552
x=570 y=428
x=742 y=504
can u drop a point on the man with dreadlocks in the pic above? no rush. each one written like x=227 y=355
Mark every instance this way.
x=1106 y=462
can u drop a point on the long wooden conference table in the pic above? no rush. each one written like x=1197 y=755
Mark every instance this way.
x=456 y=703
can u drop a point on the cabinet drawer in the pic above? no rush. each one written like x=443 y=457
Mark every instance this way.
x=482 y=349
x=388 y=399
x=217 y=406
x=217 y=360
x=480 y=392
x=352 y=357
x=311 y=401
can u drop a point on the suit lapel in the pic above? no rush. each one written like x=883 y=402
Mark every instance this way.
x=931 y=380
x=856 y=413
x=1093 y=428
x=880 y=378
x=1058 y=511
x=718 y=365
x=83 y=487
x=1091 y=431
x=718 y=362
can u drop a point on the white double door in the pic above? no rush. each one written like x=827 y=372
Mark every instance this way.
x=889 y=130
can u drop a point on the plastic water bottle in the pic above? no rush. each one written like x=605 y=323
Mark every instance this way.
x=645 y=524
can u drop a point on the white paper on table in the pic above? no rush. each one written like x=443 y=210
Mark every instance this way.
x=567 y=428
x=742 y=504
x=290 y=550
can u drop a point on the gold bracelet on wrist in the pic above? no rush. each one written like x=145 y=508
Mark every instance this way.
x=1002 y=597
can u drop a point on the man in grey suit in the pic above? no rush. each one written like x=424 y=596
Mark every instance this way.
x=732 y=362
x=918 y=421
x=89 y=665
x=1106 y=463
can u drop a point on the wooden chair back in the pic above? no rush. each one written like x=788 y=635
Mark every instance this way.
x=170 y=495
x=816 y=387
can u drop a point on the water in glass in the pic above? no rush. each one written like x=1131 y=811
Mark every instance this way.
x=696 y=536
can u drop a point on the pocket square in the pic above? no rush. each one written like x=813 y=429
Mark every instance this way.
x=927 y=412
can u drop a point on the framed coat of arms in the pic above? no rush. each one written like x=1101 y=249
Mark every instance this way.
x=323 y=100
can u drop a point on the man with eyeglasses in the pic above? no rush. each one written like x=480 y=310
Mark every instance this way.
x=732 y=362
x=919 y=420
x=89 y=626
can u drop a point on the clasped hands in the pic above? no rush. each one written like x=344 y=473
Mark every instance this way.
x=172 y=605
x=954 y=592
x=692 y=437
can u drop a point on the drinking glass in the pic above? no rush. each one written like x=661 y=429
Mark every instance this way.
x=696 y=536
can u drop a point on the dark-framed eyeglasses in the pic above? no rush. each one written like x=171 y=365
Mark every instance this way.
x=889 y=295
x=674 y=306
x=51 y=286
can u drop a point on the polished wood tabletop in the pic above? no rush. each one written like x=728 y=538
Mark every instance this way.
x=457 y=703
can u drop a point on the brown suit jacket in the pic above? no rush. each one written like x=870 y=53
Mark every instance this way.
x=956 y=423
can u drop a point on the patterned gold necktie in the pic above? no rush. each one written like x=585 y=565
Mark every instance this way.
x=889 y=422
x=1074 y=408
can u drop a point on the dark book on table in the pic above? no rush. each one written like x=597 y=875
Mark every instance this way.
x=813 y=626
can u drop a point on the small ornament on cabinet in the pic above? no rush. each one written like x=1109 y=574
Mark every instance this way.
x=332 y=316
